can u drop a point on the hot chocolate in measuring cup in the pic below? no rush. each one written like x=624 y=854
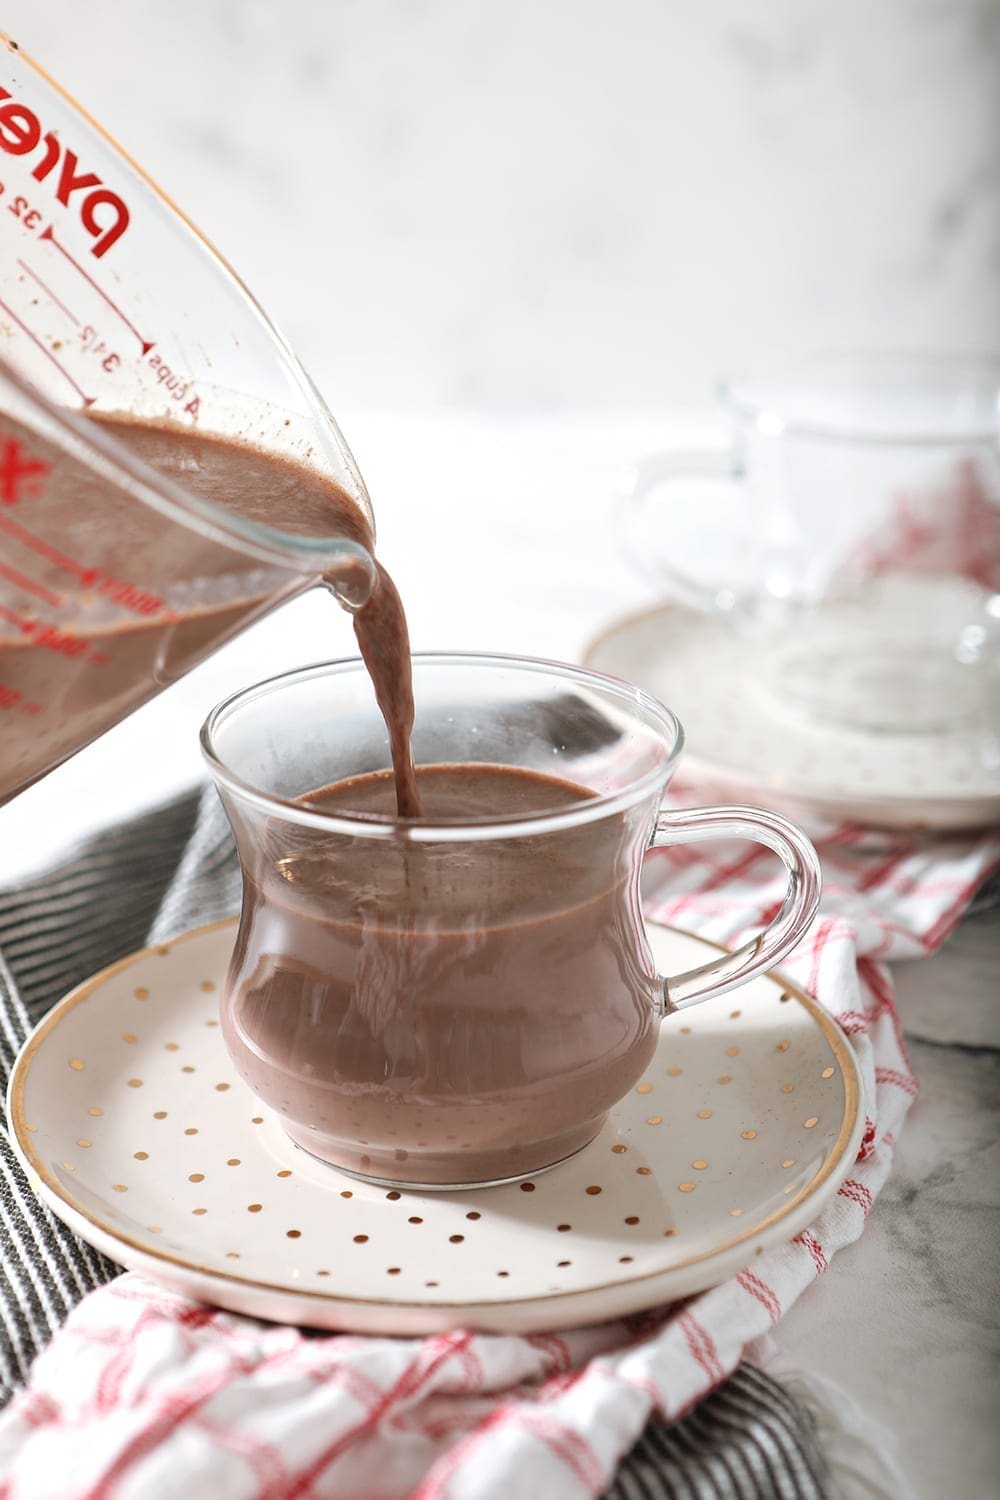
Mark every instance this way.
x=167 y=470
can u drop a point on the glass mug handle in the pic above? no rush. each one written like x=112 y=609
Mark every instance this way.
x=781 y=934
x=643 y=484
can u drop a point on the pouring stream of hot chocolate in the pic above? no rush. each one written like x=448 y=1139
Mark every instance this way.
x=384 y=642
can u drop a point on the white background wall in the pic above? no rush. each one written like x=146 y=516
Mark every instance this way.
x=562 y=202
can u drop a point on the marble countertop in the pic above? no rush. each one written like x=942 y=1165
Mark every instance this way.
x=501 y=532
x=485 y=204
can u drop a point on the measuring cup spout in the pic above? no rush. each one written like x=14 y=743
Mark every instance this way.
x=351 y=578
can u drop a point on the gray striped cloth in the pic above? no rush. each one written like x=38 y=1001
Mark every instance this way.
x=176 y=868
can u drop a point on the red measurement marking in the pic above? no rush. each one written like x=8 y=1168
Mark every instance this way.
x=29 y=585
x=47 y=234
x=119 y=590
x=16 y=468
x=26 y=627
x=130 y=596
x=87 y=576
x=13 y=698
x=49 y=292
x=87 y=400
x=50 y=638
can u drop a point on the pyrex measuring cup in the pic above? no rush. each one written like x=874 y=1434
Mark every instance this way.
x=167 y=470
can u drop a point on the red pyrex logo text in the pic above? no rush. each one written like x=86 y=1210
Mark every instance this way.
x=102 y=212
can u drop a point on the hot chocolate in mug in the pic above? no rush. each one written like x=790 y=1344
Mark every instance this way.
x=460 y=999
x=850 y=532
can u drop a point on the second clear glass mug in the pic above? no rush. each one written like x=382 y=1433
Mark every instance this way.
x=850 y=532
x=461 y=1002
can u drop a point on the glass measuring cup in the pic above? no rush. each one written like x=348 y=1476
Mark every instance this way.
x=168 y=472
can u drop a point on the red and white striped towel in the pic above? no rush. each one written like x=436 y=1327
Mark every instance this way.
x=143 y=1393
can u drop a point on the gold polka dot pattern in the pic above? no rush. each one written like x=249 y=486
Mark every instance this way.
x=632 y=1205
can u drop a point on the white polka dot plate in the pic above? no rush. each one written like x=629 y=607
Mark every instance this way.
x=135 y=1129
x=746 y=744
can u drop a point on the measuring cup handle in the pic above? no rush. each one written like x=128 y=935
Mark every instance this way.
x=801 y=861
x=652 y=492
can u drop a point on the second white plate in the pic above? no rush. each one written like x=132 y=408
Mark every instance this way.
x=740 y=742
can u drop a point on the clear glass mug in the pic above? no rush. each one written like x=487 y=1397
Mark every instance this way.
x=121 y=565
x=851 y=532
x=462 y=1001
